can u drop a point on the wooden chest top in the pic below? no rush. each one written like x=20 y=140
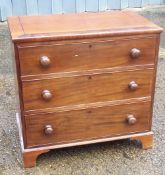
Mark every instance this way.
x=76 y=26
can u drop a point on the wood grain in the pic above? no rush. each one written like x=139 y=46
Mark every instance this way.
x=86 y=56
x=87 y=124
x=87 y=105
x=18 y=89
x=51 y=41
x=86 y=89
x=28 y=152
x=84 y=25
x=29 y=158
x=83 y=96
x=15 y=27
x=146 y=140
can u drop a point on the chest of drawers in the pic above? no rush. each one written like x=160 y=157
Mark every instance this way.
x=83 y=78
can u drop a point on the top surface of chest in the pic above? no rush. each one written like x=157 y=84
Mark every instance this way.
x=84 y=25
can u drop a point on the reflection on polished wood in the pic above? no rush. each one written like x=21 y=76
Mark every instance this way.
x=89 y=78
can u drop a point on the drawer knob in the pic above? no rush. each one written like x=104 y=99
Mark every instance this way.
x=135 y=53
x=131 y=119
x=46 y=95
x=48 y=129
x=44 y=61
x=133 y=85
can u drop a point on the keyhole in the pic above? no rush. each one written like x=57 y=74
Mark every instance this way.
x=89 y=112
x=89 y=78
x=90 y=45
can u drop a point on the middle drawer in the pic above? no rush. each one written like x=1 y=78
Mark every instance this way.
x=56 y=92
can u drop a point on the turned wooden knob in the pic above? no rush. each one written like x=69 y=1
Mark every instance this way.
x=131 y=119
x=133 y=85
x=48 y=129
x=46 y=95
x=44 y=61
x=135 y=53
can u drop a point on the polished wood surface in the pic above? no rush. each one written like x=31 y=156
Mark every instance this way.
x=29 y=158
x=86 y=124
x=87 y=89
x=79 y=26
x=85 y=56
x=89 y=82
x=146 y=140
x=44 y=149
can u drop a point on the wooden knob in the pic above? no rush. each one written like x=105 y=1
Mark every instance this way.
x=46 y=95
x=48 y=129
x=135 y=53
x=133 y=85
x=44 y=61
x=131 y=119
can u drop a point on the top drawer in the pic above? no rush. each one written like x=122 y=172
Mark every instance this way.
x=45 y=59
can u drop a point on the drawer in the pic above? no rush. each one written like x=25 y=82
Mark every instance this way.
x=87 y=124
x=84 y=89
x=45 y=59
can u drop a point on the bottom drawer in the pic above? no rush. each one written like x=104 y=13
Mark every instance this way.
x=86 y=124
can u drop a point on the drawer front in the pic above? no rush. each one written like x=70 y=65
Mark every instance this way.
x=46 y=59
x=86 y=124
x=84 y=89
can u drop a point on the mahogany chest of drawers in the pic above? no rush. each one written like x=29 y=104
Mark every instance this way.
x=83 y=78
